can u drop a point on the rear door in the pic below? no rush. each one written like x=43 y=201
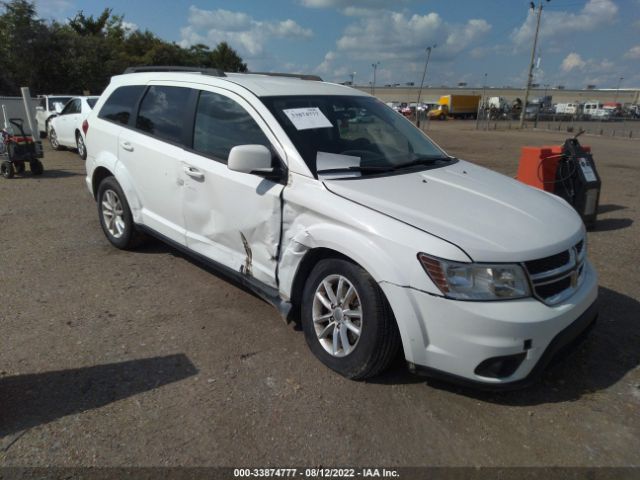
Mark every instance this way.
x=66 y=121
x=231 y=217
x=151 y=152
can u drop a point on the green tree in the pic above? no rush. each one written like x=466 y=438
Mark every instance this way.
x=225 y=58
x=23 y=38
x=84 y=53
x=91 y=26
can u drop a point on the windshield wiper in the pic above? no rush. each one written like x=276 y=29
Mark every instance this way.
x=427 y=160
x=356 y=168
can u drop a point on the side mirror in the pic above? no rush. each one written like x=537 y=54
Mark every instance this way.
x=250 y=159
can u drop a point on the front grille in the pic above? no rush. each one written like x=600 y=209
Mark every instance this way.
x=551 y=289
x=548 y=263
x=555 y=278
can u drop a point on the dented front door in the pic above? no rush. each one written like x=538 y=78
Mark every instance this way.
x=231 y=217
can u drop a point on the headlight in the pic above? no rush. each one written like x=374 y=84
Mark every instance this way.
x=476 y=281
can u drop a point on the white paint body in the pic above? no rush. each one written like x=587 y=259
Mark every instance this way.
x=48 y=107
x=68 y=125
x=461 y=212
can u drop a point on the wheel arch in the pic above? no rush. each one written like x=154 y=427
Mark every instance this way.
x=99 y=174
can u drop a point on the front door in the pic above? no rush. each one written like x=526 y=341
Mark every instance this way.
x=232 y=218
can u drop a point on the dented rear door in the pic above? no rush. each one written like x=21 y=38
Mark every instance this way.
x=232 y=218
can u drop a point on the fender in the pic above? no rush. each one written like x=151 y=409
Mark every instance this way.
x=352 y=244
x=110 y=161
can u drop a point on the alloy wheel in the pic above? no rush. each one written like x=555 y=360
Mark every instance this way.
x=113 y=213
x=337 y=315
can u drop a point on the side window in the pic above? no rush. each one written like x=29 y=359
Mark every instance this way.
x=162 y=112
x=121 y=103
x=221 y=124
x=72 y=107
x=68 y=108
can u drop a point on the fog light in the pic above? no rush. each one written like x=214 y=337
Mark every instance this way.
x=500 y=367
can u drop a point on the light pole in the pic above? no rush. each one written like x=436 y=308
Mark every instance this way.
x=481 y=104
x=531 y=63
x=618 y=90
x=373 y=84
x=424 y=73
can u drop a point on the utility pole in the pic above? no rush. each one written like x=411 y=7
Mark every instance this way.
x=373 y=85
x=618 y=89
x=481 y=104
x=531 y=63
x=424 y=73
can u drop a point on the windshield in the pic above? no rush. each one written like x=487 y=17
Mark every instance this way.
x=352 y=133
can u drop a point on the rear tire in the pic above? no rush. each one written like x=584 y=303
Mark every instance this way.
x=82 y=148
x=347 y=322
x=115 y=216
x=6 y=169
x=36 y=167
x=53 y=139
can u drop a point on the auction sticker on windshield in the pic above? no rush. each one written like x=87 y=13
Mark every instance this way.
x=307 y=118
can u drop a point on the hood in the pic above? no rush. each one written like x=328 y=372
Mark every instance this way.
x=493 y=218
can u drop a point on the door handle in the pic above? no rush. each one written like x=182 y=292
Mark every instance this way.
x=126 y=146
x=194 y=173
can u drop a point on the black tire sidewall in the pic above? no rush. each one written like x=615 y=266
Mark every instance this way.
x=7 y=169
x=36 y=167
x=57 y=146
x=80 y=140
x=356 y=364
x=126 y=241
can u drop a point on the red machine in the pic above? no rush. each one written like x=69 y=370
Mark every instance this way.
x=568 y=171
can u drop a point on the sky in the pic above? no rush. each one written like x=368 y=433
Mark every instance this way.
x=582 y=42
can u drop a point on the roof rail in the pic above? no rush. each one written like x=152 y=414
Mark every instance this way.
x=215 y=72
x=301 y=76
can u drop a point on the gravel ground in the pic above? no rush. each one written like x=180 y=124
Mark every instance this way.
x=113 y=358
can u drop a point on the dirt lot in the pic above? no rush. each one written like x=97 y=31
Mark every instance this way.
x=146 y=358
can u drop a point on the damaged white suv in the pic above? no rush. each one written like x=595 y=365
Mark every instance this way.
x=342 y=214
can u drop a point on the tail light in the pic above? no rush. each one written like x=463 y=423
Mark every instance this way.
x=85 y=127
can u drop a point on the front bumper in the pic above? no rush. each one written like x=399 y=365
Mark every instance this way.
x=567 y=338
x=450 y=339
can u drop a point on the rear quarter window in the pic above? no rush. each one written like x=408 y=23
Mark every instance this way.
x=121 y=103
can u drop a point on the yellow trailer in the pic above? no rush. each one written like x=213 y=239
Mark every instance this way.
x=457 y=106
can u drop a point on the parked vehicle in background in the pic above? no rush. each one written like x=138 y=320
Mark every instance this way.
x=498 y=103
x=571 y=108
x=65 y=129
x=48 y=107
x=589 y=108
x=532 y=111
x=456 y=106
x=373 y=238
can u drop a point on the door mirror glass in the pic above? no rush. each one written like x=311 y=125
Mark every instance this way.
x=250 y=159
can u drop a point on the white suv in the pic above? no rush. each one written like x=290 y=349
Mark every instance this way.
x=366 y=232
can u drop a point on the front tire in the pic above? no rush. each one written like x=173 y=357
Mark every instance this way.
x=347 y=321
x=82 y=148
x=6 y=169
x=115 y=216
x=53 y=139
